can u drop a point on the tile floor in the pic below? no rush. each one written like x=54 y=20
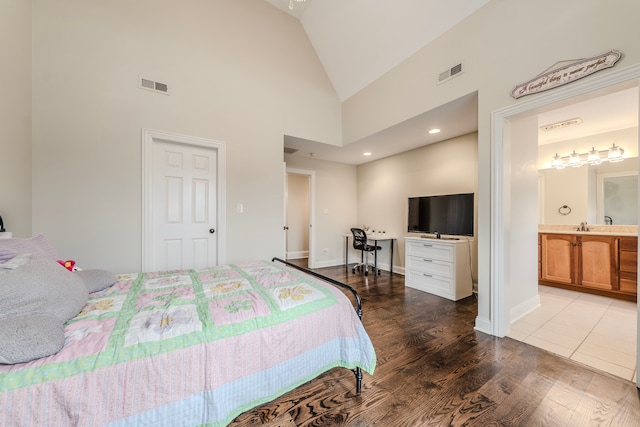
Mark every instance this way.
x=594 y=330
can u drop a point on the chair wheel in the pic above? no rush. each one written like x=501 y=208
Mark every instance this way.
x=366 y=273
x=353 y=270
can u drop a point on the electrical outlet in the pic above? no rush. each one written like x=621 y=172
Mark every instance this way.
x=325 y=250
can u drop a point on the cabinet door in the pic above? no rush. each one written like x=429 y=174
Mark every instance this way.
x=557 y=263
x=598 y=262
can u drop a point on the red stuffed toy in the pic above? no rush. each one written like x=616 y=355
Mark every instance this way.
x=69 y=264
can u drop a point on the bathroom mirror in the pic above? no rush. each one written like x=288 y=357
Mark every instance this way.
x=602 y=194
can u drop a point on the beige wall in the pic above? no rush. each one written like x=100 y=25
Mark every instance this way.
x=15 y=116
x=335 y=207
x=503 y=44
x=448 y=167
x=298 y=219
x=241 y=72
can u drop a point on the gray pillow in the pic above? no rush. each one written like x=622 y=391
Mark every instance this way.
x=37 y=298
x=97 y=280
x=29 y=337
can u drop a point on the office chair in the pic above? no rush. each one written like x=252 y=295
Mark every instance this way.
x=360 y=243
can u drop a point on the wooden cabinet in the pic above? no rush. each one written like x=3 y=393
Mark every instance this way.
x=558 y=259
x=597 y=264
x=628 y=264
x=438 y=266
x=600 y=264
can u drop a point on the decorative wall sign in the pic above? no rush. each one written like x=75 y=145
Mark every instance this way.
x=567 y=74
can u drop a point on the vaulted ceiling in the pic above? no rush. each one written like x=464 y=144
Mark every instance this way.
x=358 y=41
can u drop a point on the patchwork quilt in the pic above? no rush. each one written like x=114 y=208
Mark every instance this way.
x=194 y=347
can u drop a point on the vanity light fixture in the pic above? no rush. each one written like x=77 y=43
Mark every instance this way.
x=615 y=154
x=593 y=157
x=574 y=160
x=556 y=162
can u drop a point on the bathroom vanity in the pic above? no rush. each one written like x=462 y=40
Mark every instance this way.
x=595 y=262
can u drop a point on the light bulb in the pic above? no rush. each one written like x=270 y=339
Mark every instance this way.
x=574 y=160
x=594 y=157
x=615 y=154
x=556 y=162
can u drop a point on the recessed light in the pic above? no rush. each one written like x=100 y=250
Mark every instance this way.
x=436 y=130
x=366 y=154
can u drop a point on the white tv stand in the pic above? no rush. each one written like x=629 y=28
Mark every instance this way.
x=438 y=266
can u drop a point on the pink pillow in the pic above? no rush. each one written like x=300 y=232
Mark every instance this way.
x=38 y=245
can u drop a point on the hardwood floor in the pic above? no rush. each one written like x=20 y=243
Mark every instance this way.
x=434 y=369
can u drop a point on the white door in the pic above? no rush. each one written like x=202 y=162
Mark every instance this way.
x=183 y=206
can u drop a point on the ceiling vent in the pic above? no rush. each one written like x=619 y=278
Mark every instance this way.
x=561 y=125
x=153 y=85
x=288 y=150
x=450 y=73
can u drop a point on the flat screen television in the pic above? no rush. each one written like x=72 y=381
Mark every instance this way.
x=450 y=214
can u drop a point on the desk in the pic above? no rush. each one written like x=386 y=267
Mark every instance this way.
x=375 y=238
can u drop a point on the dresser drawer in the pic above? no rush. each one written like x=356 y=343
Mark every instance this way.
x=428 y=250
x=430 y=283
x=431 y=266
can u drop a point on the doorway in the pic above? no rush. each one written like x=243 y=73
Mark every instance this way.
x=503 y=260
x=183 y=212
x=299 y=196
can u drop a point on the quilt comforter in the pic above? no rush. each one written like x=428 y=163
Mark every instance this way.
x=184 y=348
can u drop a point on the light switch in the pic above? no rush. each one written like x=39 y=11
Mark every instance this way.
x=240 y=208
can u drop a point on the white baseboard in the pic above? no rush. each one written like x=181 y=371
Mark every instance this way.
x=483 y=325
x=524 y=308
x=297 y=254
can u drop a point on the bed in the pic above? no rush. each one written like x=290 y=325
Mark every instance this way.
x=189 y=347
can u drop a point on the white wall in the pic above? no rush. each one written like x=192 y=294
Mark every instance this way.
x=241 y=72
x=15 y=116
x=448 y=167
x=503 y=44
x=521 y=199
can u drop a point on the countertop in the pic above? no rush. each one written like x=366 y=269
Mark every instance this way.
x=598 y=230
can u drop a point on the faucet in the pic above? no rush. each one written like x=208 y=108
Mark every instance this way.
x=583 y=227
x=608 y=220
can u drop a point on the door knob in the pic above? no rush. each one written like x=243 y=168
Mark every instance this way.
x=212 y=230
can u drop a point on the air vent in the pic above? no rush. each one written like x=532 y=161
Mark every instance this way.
x=288 y=150
x=450 y=73
x=561 y=125
x=153 y=85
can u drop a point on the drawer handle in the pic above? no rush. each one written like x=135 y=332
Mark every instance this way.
x=426 y=275
x=427 y=260
x=428 y=246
